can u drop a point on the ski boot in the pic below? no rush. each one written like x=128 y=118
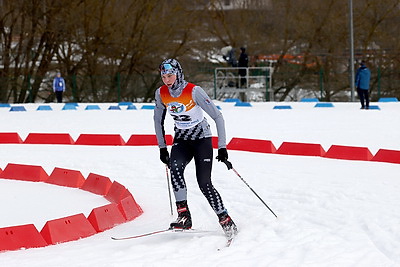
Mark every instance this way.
x=184 y=220
x=227 y=225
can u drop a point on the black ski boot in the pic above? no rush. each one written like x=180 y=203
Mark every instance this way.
x=227 y=225
x=184 y=220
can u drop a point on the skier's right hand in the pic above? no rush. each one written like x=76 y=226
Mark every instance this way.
x=164 y=156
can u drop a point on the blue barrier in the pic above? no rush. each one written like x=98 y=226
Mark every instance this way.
x=324 y=105
x=114 y=108
x=92 y=107
x=72 y=104
x=309 y=100
x=243 y=104
x=17 y=108
x=125 y=103
x=388 y=99
x=131 y=107
x=232 y=100
x=69 y=107
x=44 y=107
x=4 y=105
x=375 y=107
x=148 y=107
x=282 y=107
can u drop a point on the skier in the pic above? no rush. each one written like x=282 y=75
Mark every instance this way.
x=186 y=102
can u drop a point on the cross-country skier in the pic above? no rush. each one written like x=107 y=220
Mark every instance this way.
x=185 y=102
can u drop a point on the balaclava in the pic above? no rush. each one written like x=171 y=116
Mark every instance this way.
x=172 y=66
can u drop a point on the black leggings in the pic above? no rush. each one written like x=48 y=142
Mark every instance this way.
x=182 y=152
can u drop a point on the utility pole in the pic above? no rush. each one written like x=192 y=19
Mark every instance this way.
x=352 y=78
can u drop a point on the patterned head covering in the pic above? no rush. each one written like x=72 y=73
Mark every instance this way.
x=172 y=66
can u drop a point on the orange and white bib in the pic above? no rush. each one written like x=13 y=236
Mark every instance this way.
x=185 y=112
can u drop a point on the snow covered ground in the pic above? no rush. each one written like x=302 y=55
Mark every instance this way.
x=330 y=212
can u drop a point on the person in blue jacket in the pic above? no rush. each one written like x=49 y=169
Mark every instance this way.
x=363 y=77
x=59 y=87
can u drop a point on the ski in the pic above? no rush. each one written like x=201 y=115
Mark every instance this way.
x=174 y=230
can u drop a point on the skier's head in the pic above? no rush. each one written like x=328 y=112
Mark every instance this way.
x=172 y=74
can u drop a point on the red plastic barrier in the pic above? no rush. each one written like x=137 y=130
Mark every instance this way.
x=349 y=153
x=21 y=236
x=24 y=172
x=67 y=229
x=49 y=138
x=385 y=155
x=100 y=140
x=117 y=192
x=251 y=145
x=10 y=138
x=106 y=217
x=97 y=184
x=214 y=141
x=300 y=149
x=129 y=208
x=147 y=140
x=65 y=177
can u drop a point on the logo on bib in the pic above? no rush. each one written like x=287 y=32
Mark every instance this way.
x=176 y=107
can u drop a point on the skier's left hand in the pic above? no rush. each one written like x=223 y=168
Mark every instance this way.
x=222 y=154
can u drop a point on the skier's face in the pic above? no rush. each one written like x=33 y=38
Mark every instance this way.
x=168 y=79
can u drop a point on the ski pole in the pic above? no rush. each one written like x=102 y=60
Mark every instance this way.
x=169 y=189
x=229 y=166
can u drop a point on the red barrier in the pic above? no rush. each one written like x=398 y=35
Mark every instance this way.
x=385 y=155
x=129 y=208
x=147 y=140
x=65 y=177
x=106 y=217
x=21 y=236
x=214 y=141
x=349 y=153
x=300 y=149
x=67 y=229
x=10 y=138
x=100 y=140
x=24 y=172
x=49 y=138
x=117 y=192
x=251 y=145
x=97 y=184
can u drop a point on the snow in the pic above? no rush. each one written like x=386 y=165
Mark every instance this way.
x=330 y=212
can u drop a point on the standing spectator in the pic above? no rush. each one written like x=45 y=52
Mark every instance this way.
x=243 y=63
x=363 y=77
x=59 y=87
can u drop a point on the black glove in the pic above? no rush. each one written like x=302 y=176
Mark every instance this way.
x=222 y=155
x=164 y=156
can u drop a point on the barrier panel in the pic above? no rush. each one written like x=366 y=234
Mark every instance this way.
x=97 y=184
x=324 y=105
x=147 y=140
x=243 y=104
x=309 y=100
x=100 y=140
x=69 y=107
x=44 y=107
x=67 y=229
x=117 y=192
x=114 y=108
x=10 y=138
x=251 y=145
x=49 y=138
x=232 y=100
x=106 y=217
x=129 y=208
x=301 y=149
x=21 y=236
x=17 y=108
x=388 y=99
x=131 y=107
x=386 y=155
x=282 y=107
x=214 y=141
x=348 y=152
x=24 y=172
x=65 y=177
x=92 y=107
x=150 y=107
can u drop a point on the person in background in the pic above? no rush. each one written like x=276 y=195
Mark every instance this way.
x=244 y=63
x=363 y=77
x=185 y=102
x=59 y=87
